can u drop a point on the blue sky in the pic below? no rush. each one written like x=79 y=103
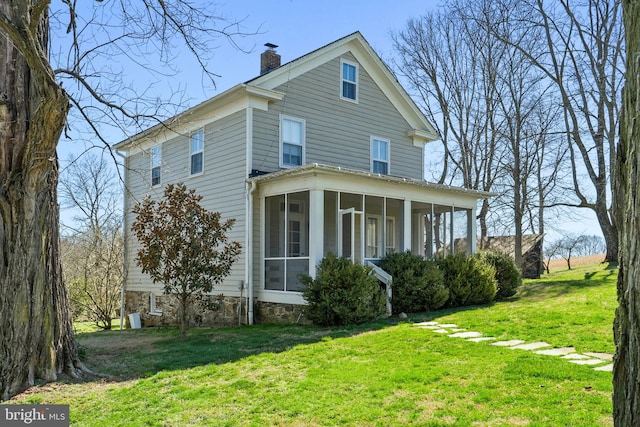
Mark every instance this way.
x=300 y=26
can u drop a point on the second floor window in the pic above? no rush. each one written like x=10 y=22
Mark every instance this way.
x=197 y=152
x=156 y=165
x=291 y=142
x=379 y=156
x=349 y=90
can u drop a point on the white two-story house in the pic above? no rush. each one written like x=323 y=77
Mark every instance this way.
x=322 y=154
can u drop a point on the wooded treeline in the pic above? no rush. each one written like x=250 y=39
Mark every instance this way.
x=525 y=96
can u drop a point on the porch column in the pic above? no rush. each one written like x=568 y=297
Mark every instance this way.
x=316 y=229
x=471 y=231
x=406 y=226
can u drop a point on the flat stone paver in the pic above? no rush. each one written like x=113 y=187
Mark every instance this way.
x=605 y=368
x=568 y=353
x=466 y=335
x=480 y=339
x=575 y=356
x=562 y=351
x=531 y=346
x=425 y=323
x=587 y=362
x=509 y=343
x=601 y=356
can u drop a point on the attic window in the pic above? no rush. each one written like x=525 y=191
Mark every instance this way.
x=379 y=155
x=291 y=141
x=349 y=90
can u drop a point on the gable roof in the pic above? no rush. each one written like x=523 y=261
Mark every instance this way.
x=261 y=90
x=357 y=45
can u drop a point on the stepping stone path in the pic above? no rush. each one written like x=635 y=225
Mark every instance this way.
x=569 y=353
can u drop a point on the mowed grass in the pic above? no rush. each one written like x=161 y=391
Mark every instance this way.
x=379 y=374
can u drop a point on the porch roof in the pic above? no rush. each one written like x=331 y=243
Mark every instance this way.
x=316 y=168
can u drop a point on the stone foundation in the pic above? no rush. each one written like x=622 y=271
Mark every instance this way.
x=271 y=312
x=212 y=310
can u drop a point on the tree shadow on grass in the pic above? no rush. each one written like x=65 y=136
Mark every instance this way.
x=545 y=288
x=140 y=353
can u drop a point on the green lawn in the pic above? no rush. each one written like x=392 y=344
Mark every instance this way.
x=380 y=374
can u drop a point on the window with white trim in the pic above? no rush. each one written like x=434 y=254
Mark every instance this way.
x=349 y=80
x=197 y=152
x=380 y=155
x=156 y=165
x=292 y=137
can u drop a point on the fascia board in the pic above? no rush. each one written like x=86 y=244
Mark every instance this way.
x=236 y=99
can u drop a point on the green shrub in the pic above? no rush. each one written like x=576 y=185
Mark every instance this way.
x=418 y=284
x=470 y=279
x=508 y=276
x=342 y=293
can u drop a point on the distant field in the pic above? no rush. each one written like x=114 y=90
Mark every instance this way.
x=561 y=264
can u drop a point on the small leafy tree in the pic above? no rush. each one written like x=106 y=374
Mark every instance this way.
x=183 y=246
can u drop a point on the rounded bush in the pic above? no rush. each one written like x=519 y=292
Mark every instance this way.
x=470 y=279
x=418 y=284
x=342 y=293
x=508 y=275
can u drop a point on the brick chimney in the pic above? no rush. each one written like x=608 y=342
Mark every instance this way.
x=269 y=60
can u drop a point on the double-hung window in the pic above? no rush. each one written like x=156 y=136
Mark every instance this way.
x=379 y=155
x=291 y=142
x=197 y=152
x=156 y=165
x=349 y=74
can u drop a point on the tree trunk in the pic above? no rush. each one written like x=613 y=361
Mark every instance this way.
x=36 y=335
x=626 y=363
x=184 y=304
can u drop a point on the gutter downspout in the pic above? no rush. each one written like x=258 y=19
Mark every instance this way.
x=250 y=252
x=124 y=243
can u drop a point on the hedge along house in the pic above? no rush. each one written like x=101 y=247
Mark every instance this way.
x=322 y=154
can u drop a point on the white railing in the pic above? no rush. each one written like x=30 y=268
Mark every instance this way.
x=385 y=278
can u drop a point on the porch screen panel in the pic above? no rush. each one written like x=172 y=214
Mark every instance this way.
x=374 y=227
x=350 y=200
x=330 y=222
x=274 y=267
x=286 y=241
x=347 y=235
x=298 y=225
x=274 y=221
x=460 y=228
x=394 y=226
x=274 y=274
x=295 y=267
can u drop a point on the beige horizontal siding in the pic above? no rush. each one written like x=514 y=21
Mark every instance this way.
x=222 y=186
x=337 y=131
